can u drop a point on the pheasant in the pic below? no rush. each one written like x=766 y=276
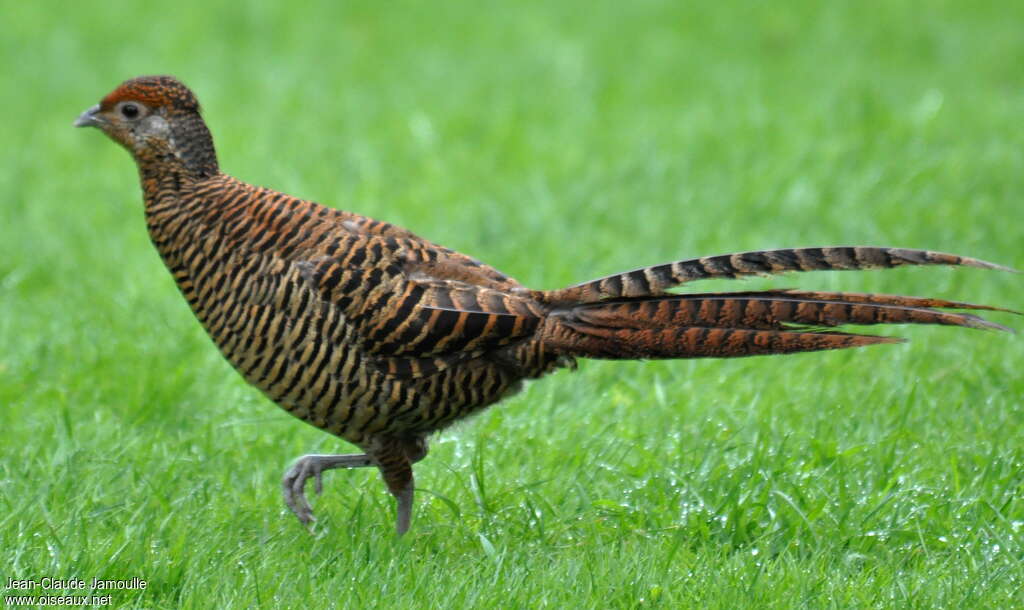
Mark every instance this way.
x=380 y=337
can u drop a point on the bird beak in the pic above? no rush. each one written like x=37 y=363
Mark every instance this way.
x=89 y=118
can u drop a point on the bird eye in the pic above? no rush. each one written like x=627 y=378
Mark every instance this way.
x=130 y=111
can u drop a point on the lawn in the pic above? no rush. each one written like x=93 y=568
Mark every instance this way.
x=558 y=142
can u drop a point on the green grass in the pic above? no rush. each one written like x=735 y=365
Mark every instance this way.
x=558 y=143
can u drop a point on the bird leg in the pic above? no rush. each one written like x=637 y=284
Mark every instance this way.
x=312 y=466
x=404 y=498
x=396 y=469
x=393 y=457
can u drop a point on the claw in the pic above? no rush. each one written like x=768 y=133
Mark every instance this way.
x=294 y=492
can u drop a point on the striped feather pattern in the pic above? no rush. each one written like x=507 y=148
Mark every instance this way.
x=654 y=280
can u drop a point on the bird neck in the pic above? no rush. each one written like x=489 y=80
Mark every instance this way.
x=187 y=156
x=193 y=144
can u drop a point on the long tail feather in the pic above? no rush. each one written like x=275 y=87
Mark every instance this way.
x=654 y=280
x=742 y=323
x=889 y=299
x=771 y=310
x=701 y=342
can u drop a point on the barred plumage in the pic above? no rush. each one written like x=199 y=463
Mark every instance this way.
x=380 y=337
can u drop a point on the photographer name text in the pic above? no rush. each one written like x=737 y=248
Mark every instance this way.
x=48 y=583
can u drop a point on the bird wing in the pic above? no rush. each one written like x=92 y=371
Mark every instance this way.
x=435 y=260
x=415 y=309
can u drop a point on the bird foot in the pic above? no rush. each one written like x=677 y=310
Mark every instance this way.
x=312 y=466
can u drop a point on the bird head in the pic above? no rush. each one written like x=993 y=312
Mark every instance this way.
x=155 y=117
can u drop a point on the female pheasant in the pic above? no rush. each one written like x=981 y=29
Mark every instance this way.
x=380 y=337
